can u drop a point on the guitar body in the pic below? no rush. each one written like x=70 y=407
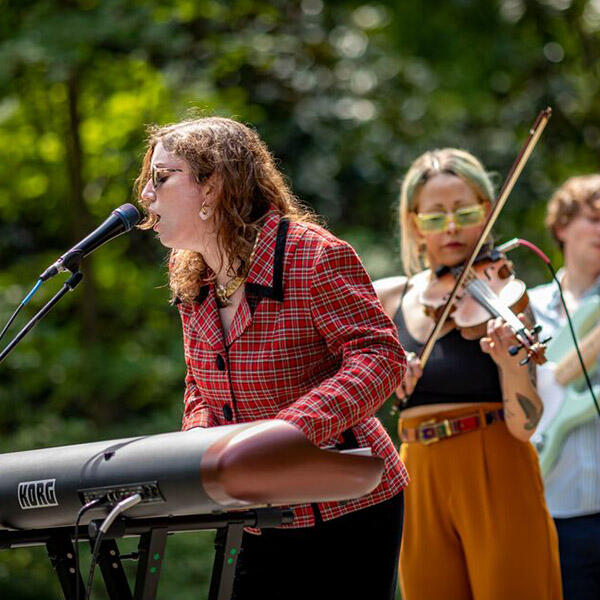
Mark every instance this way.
x=565 y=407
x=570 y=409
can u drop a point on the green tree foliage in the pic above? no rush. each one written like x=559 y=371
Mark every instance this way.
x=345 y=93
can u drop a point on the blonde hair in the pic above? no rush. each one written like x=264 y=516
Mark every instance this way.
x=251 y=185
x=568 y=199
x=450 y=161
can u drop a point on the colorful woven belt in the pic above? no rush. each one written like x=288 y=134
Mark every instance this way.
x=429 y=432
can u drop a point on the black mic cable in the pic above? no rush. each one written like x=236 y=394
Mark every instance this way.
x=515 y=243
x=120 y=508
x=121 y=220
x=25 y=300
x=80 y=514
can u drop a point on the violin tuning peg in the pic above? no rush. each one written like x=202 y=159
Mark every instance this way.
x=546 y=340
x=537 y=329
x=525 y=360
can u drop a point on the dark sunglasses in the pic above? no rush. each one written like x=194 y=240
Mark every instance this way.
x=157 y=175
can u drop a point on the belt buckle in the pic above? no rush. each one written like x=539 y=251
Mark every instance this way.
x=432 y=423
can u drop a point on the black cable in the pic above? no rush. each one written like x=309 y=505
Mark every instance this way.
x=90 y=580
x=80 y=514
x=13 y=317
x=516 y=242
x=27 y=298
x=574 y=336
x=68 y=286
x=121 y=507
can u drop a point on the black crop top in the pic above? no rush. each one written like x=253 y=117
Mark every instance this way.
x=457 y=369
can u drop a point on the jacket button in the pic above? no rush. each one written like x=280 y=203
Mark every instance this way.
x=220 y=363
x=227 y=412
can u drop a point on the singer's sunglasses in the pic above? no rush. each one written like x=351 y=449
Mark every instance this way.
x=158 y=175
x=434 y=222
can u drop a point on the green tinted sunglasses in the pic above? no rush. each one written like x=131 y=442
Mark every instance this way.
x=439 y=221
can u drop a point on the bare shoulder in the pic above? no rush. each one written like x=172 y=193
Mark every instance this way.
x=389 y=290
x=390 y=284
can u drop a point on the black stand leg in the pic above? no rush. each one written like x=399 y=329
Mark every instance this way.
x=151 y=550
x=62 y=556
x=227 y=549
x=109 y=561
x=153 y=533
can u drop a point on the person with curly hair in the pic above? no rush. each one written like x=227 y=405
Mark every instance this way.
x=280 y=321
x=572 y=483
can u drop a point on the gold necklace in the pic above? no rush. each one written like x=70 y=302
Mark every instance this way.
x=224 y=292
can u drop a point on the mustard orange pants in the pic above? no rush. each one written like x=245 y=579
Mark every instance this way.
x=476 y=524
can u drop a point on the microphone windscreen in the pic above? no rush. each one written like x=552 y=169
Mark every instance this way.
x=129 y=215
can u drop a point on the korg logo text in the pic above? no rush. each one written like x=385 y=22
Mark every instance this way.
x=37 y=494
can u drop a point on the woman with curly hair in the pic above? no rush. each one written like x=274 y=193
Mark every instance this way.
x=280 y=321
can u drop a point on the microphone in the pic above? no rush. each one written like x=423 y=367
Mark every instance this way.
x=121 y=219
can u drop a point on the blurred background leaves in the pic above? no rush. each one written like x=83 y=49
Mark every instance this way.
x=345 y=93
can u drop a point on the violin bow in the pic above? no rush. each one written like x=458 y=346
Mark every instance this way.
x=534 y=135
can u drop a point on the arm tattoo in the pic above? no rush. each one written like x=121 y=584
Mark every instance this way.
x=531 y=413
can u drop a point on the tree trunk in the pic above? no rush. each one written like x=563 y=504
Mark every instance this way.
x=80 y=217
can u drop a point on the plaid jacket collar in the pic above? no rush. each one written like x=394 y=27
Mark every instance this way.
x=265 y=277
x=265 y=280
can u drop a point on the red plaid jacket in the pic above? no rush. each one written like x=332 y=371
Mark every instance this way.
x=309 y=344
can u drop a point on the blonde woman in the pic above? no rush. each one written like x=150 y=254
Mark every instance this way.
x=280 y=321
x=475 y=523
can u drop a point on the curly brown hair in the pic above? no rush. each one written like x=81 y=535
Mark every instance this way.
x=251 y=185
x=568 y=199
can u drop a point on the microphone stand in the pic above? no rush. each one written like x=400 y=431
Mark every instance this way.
x=68 y=286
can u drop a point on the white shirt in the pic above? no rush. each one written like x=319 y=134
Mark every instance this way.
x=573 y=484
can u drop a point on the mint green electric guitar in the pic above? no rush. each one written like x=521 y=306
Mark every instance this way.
x=561 y=385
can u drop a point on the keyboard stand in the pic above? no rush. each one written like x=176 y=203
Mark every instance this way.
x=151 y=548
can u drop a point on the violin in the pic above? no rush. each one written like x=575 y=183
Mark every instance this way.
x=490 y=290
x=465 y=280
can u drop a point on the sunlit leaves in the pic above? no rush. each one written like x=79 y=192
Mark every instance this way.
x=346 y=94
